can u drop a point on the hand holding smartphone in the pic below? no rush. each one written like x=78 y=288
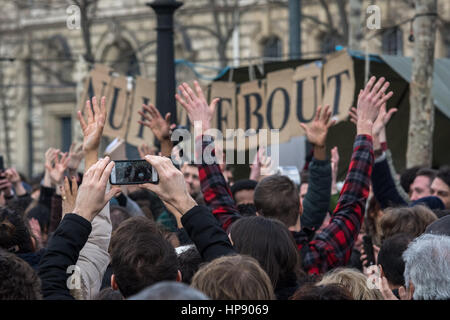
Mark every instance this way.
x=368 y=250
x=133 y=172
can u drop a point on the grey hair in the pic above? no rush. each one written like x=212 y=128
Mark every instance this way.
x=427 y=267
x=169 y=290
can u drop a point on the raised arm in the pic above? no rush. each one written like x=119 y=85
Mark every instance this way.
x=94 y=257
x=215 y=189
x=72 y=233
x=384 y=184
x=332 y=247
x=317 y=198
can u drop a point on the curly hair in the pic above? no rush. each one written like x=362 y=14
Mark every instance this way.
x=18 y=281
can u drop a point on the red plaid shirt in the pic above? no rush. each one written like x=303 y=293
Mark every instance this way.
x=330 y=248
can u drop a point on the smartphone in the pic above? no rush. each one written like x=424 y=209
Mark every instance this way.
x=368 y=250
x=133 y=172
x=2 y=165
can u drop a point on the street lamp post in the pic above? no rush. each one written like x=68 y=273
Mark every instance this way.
x=165 y=67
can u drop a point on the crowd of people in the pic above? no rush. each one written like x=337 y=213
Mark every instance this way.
x=201 y=234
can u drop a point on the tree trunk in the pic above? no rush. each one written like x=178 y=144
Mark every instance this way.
x=421 y=119
x=355 y=29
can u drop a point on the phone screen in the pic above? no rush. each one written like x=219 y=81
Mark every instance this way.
x=133 y=172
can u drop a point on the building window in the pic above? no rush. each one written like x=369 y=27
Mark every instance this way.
x=66 y=133
x=272 y=47
x=393 y=41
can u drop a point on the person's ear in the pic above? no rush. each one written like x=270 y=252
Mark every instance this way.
x=300 y=208
x=114 y=285
x=179 y=276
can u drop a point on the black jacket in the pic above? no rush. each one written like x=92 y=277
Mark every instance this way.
x=205 y=231
x=62 y=251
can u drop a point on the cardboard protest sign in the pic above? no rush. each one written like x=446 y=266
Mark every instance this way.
x=339 y=84
x=280 y=103
x=118 y=106
x=144 y=93
x=307 y=94
x=96 y=84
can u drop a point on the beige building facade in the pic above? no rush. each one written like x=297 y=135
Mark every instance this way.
x=41 y=51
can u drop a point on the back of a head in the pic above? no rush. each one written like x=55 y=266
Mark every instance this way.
x=427 y=267
x=390 y=258
x=170 y=290
x=271 y=243
x=140 y=256
x=118 y=215
x=236 y=277
x=277 y=197
x=14 y=233
x=18 y=281
x=354 y=281
x=189 y=262
x=409 y=220
x=330 y=291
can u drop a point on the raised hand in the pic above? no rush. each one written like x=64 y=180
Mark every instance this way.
x=92 y=195
x=69 y=195
x=13 y=176
x=171 y=187
x=144 y=150
x=382 y=119
x=93 y=128
x=57 y=167
x=153 y=120
x=196 y=106
x=316 y=131
x=76 y=154
x=370 y=101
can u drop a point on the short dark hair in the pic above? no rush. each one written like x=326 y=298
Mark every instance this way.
x=277 y=197
x=18 y=281
x=330 y=291
x=407 y=177
x=140 y=256
x=189 y=262
x=245 y=184
x=276 y=251
x=390 y=257
x=444 y=175
x=14 y=233
x=427 y=172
